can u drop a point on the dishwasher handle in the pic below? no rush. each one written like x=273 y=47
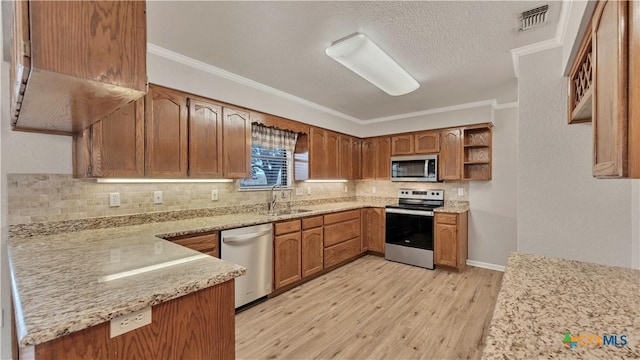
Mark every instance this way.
x=244 y=238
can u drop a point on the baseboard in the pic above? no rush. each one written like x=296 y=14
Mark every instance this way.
x=485 y=265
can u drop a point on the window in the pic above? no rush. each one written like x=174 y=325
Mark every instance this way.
x=268 y=167
x=271 y=158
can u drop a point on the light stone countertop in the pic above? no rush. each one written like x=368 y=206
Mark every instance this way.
x=58 y=280
x=544 y=298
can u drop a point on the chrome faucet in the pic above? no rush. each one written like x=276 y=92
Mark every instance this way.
x=273 y=200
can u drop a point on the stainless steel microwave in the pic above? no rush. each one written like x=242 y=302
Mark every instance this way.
x=414 y=168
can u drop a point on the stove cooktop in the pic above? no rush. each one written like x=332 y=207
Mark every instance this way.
x=413 y=206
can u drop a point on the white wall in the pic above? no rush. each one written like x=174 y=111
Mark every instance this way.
x=493 y=204
x=562 y=210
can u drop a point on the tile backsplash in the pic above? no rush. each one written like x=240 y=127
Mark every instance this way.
x=35 y=198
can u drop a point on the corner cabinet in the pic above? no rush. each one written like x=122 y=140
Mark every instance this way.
x=616 y=100
x=450 y=248
x=75 y=62
x=113 y=146
x=477 y=152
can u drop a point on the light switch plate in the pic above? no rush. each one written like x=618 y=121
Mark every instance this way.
x=460 y=191
x=309 y=190
x=214 y=195
x=299 y=191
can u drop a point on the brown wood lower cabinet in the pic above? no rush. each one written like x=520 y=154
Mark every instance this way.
x=451 y=240
x=200 y=325
x=207 y=243
x=373 y=229
x=287 y=254
x=312 y=246
x=341 y=237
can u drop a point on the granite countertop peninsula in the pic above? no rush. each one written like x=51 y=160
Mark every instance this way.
x=542 y=299
x=66 y=275
x=65 y=280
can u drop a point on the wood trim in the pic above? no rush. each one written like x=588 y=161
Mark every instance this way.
x=634 y=90
x=278 y=122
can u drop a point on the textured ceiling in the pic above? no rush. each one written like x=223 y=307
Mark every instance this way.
x=459 y=52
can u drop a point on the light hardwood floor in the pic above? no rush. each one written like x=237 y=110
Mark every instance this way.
x=374 y=309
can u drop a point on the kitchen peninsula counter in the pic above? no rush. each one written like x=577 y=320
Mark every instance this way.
x=544 y=298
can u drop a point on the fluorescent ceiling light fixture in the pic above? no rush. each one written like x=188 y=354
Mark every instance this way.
x=325 y=181
x=149 y=181
x=362 y=56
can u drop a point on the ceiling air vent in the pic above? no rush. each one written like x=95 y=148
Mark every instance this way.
x=533 y=18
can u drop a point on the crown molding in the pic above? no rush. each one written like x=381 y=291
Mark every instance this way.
x=182 y=59
x=510 y=105
x=470 y=105
x=196 y=64
x=558 y=40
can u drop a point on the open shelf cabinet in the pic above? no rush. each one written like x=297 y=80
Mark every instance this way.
x=476 y=144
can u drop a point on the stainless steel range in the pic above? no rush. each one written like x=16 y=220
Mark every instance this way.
x=409 y=227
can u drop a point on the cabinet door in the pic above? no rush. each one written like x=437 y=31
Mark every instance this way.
x=427 y=142
x=345 y=157
x=383 y=158
x=112 y=147
x=312 y=252
x=331 y=152
x=402 y=145
x=373 y=229
x=287 y=268
x=450 y=163
x=317 y=158
x=205 y=139
x=356 y=150
x=166 y=133
x=236 y=134
x=610 y=99
x=445 y=252
x=368 y=164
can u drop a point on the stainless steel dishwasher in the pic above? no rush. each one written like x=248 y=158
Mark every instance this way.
x=251 y=247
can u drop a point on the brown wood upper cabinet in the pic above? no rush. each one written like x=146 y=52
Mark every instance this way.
x=113 y=146
x=75 y=62
x=236 y=130
x=376 y=158
x=349 y=157
x=616 y=99
x=166 y=133
x=424 y=142
x=205 y=139
x=323 y=154
x=450 y=159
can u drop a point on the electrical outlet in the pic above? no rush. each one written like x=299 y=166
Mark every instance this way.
x=346 y=188
x=157 y=197
x=299 y=191
x=460 y=191
x=126 y=323
x=309 y=190
x=373 y=189
x=114 y=199
x=214 y=195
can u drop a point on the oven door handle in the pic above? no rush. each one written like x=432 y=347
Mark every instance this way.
x=409 y=212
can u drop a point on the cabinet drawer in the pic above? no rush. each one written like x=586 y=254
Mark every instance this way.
x=338 y=253
x=341 y=216
x=287 y=227
x=450 y=219
x=207 y=244
x=312 y=222
x=340 y=232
